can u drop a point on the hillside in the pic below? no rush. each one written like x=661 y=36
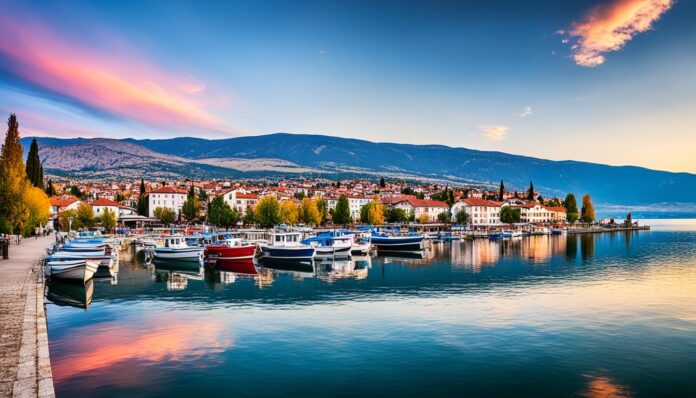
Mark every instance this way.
x=298 y=154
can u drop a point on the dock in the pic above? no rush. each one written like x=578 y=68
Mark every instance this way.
x=599 y=230
x=25 y=365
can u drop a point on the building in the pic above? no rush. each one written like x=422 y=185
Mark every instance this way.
x=355 y=203
x=100 y=206
x=240 y=200
x=166 y=197
x=419 y=207
x=558 y=214
x=480 y=211
x=535 y=213
x=63 y=203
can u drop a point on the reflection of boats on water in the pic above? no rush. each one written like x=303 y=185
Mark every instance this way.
x=341 y=269
x=296 y=268
x=420 y=254
x=177 y=273
x=70 y=294
x=238 y=267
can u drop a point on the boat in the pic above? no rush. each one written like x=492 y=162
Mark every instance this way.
x=331 y=244
x=175 y=248
x=449 y=236
x=76 y=270
x=384 y=242
x=361 y=245
x=287 y=246
x=70 y=294
x=537 y=231
x=232 y=249
x=515 y=233
x=557 y=231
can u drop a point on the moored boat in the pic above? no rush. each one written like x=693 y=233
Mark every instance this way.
x=287 y=246
x=175 y=248
x=384 y=242
x=331 y=244
x=229 y=250
x=76 y=270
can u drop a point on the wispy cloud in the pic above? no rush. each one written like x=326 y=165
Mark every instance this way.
x=608 y=27
x=494 y=132
x=526 y=112
x=112 y=82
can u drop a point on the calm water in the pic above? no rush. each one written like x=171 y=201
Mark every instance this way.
x=595 y=315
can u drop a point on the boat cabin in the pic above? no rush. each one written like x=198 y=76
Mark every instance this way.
x=285 y=238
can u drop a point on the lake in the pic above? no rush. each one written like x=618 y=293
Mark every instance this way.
x=578 y=315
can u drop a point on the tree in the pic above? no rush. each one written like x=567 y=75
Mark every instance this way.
x=50 y=189
x=341 y=214
x=587 y=213
x=423 y=219
x=142 y=200
x=202 y=195
x=407 y=191
x=38 y=206
x=462 y=217
x=530 y=192
x=510 y=215
x=267 y=212
x=249 y=216
x=221 y=214
x=191 y=208
x=323 y=208
x=309 y=214
x=382 y=183
x=289 y=213
x=299 y=195
x=372 y=213
x=501 y=193
x=443 y=217
x=395 y=214
x=13 y=180
x=108 y=219
x=571 y=206
x=75 y=191
x=65 y=220
x=165 y=214
x=34 y=169
x=85 y=215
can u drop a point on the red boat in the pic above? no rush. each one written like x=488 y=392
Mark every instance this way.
x=231 y=250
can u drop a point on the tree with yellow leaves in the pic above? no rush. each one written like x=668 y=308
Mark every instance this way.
x=423 y=219
x=289 y=213
x=13 y=180
x=309 y=213
x=38 y=205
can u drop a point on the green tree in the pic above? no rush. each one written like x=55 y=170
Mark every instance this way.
x=34 y=168
x=267 y=212
x=50 y=189
x=299 y=195
x=202 y=195
x=13 y=181
x=85 y=215
x=120 y=197
x=407 y=191
x=395 y=214
x=142 y=200
x=501 y=193
x=530 y=191
x=191 y=208
x=443 y=217
x=221 y=214
x=323 y=208
x=108 y=219
x=341 y=214
x=75 y=191
x=66 y=216
x=462 y=217
x=382 y=183
x=587 y=213
x=571 y=206
x=165 y=214
x=510 y=215
x=249 y=216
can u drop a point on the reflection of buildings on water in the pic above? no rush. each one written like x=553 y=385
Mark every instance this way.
x=227 y=278
x=537 y=249
x=331 y=270
x=70 y=294
x=475 y=254
x=265 y=278
x=176 y=274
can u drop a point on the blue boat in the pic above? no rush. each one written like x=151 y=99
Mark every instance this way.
x=287 y=246
x=331 y=244
x=384 y=242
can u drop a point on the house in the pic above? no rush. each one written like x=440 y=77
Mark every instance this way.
x=101 y=205
x=355 y=203
x=59 y=204
x=480 y=211
x=419 y=207
x=558 y=214
x=241 y=200
x=166 y=197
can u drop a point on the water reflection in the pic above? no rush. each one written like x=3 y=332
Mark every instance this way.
x=71 y=294
x=604 y=387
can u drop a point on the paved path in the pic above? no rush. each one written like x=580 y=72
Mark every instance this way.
x=25 y=367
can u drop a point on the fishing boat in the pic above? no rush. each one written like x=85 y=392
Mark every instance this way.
x=500 y=235
x=104 y=261
x=384 y=242
x=287 y=246
x=232 y=249
x=331 y=244
x=361 y=245
x=175 y=248
x=76 y=270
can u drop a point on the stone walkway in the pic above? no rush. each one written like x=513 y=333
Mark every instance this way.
x=25 y=367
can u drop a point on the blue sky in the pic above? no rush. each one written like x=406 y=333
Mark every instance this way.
x=492 y=75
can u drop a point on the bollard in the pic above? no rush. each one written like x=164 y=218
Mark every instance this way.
x=5 y=248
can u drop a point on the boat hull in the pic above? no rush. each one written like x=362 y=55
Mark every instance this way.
x=214 y=254
x=188 y=254
x=300 y=253
x=75 y=270
x=398 y=243
x=323 y=251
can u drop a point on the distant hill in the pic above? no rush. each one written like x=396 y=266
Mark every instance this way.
x=316 y=155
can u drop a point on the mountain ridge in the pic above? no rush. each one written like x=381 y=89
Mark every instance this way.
x=282 y=154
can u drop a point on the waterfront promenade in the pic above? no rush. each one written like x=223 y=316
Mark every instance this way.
x=25 y=367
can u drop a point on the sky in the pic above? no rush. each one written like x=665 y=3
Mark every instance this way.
x=608 y=81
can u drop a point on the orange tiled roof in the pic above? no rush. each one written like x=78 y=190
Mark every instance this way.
x=105 y=202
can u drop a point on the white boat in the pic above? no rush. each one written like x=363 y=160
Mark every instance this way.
x=287 y=246
x=175 y=248
x=331 y=244
x=77 y=270
x=515 y=233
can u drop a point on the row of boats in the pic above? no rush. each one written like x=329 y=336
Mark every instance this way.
x=81 y=258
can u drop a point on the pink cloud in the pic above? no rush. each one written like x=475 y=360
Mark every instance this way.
x=610 y=26
x=111 y=80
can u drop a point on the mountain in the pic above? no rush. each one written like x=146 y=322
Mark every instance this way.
x=333 y=157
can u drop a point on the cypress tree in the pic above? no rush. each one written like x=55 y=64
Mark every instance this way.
x=501 y=194
x=571 y=205
x=50 y=189
x=530 y=193
x=142 y=202
x=34 y=169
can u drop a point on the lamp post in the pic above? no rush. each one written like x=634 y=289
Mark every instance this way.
x=70 y=224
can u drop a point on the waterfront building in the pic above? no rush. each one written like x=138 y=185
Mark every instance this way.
x=355 y=203
x=240 y=199
x=100 y=206
x=419 y=207
x=481 y=211
x=59 y=204
x=167 y=197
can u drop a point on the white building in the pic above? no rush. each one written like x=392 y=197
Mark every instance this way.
x=166 y=197
x=100 y=206
x=355 y=203
x=480 y=211
x=241 y=200
x=419 y=207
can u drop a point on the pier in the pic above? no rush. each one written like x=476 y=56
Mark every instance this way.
x=25 y=366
